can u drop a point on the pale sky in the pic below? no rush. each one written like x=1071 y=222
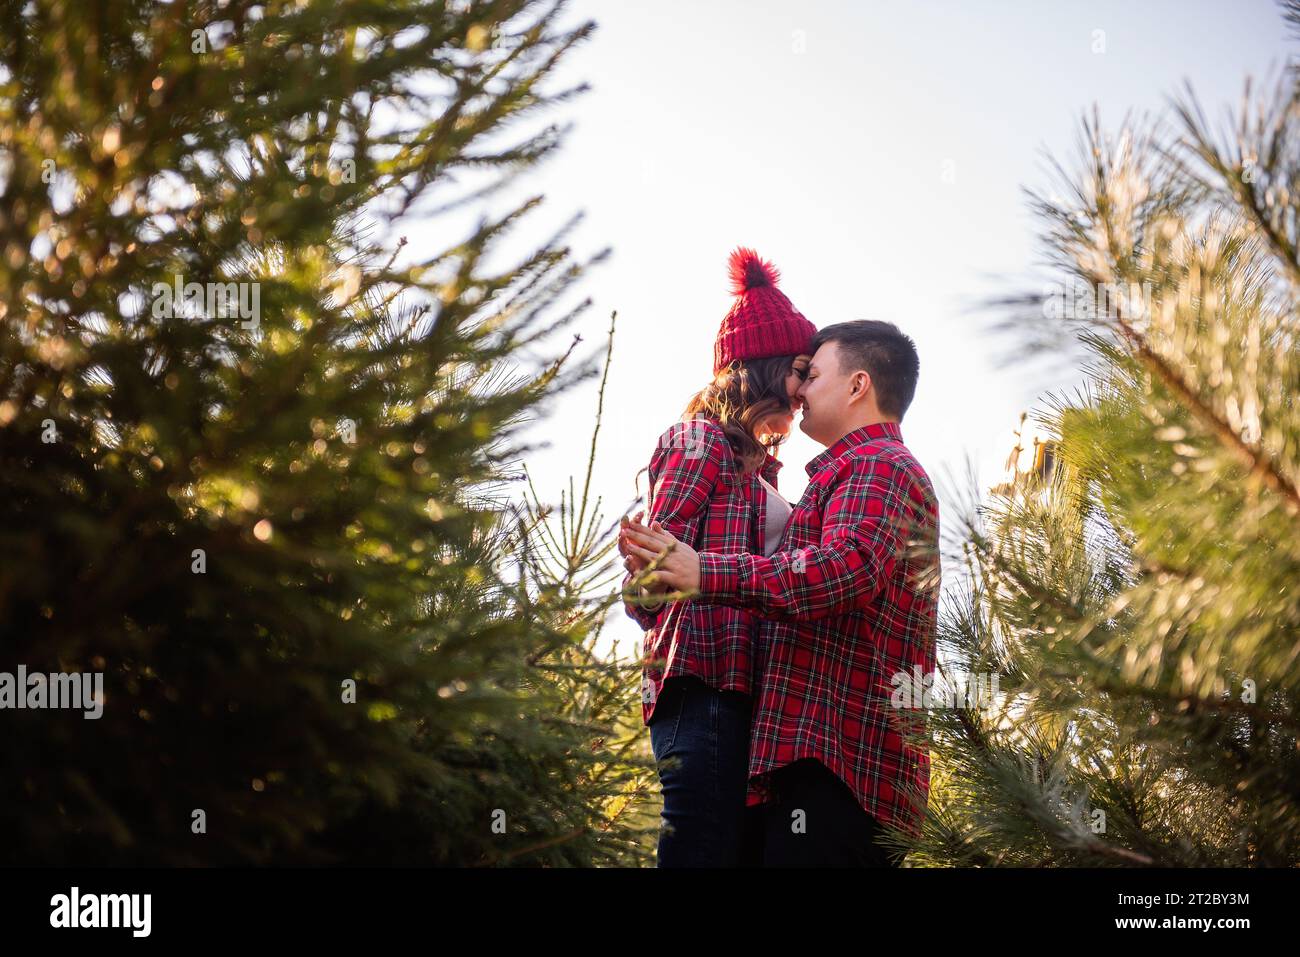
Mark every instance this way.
x=875 y=152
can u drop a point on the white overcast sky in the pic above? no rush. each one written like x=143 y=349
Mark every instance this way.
x=875 y=152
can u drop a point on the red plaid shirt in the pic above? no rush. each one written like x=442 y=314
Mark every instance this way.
x=849 y=606
x=697 y=493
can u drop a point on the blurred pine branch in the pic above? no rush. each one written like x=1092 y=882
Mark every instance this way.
x=1136 y=601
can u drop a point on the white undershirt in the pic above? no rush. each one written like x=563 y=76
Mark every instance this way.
x=778 y=513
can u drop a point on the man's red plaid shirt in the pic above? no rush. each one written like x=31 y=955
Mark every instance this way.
x=851 y=598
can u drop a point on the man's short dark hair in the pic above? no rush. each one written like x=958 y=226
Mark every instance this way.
x=884 y=353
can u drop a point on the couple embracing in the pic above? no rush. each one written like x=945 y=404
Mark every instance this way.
x=768 y=690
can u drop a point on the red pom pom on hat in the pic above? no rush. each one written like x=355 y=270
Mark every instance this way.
x=748 y=271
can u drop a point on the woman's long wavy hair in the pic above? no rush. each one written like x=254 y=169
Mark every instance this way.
x=739 y=398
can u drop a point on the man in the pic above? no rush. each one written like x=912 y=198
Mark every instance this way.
x=850 y=606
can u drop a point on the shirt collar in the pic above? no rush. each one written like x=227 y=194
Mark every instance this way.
x=877 y=430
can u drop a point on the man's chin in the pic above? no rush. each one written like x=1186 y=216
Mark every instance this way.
x=812 y=432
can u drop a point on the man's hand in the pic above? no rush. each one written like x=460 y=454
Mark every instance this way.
x=679 y=569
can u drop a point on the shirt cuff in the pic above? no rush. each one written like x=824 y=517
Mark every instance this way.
x=719 y=575
x=649 y=607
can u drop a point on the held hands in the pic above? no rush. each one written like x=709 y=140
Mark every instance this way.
x=652 y=594
x=678 y=565
x=630 y=562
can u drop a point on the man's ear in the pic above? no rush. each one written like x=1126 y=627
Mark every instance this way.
x=861 y=385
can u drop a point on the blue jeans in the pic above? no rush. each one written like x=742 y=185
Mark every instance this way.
x=700 y=738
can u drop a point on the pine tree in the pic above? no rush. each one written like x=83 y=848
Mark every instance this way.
x=566 y=558
x=1134 y=596
x=254 y=454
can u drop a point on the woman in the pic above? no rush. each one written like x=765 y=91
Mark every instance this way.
x=712 y=484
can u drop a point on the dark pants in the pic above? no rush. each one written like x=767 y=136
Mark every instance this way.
x=700 y=738
x=833 y=830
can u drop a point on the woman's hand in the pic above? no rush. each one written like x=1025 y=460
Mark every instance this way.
x=636 y=565
x=678 y=564
x=631 y=563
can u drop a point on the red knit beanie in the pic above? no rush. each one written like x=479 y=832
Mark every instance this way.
x=762 y=322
